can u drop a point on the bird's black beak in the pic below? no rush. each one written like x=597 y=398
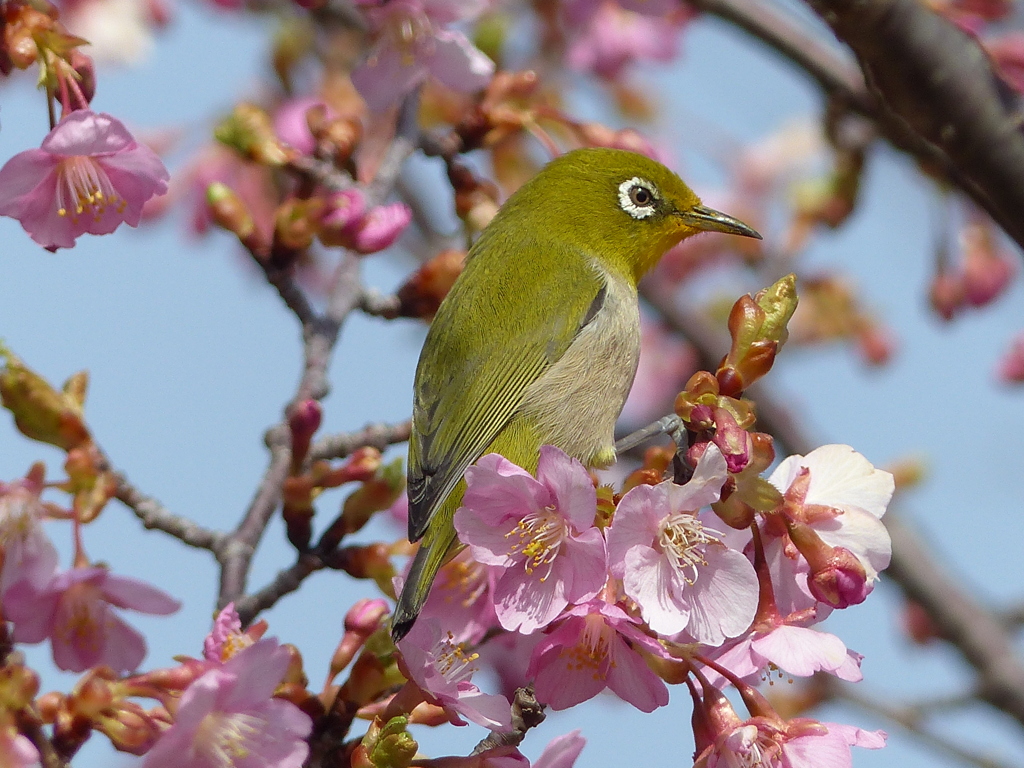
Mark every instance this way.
x=709 y=220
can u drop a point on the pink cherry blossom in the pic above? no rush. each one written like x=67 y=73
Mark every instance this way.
x=800 y=743
x=443 y=668
x=89 y=175
x=227 y=638
x=798 y=651
x=462 y=598
x=76 y=611
x=26 y=552
x=838 y=493
x=412 y=44
x=588 y=651
x=539 y=531
x=562 y=751
x=673 y=562
x=228 y=718
x=1011 y=367
x=615 y=37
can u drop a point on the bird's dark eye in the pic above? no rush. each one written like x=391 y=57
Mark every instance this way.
x=640 y=196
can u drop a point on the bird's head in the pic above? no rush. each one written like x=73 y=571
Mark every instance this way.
x=622 y=208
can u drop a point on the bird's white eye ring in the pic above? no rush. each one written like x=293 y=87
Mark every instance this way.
x=638 y=197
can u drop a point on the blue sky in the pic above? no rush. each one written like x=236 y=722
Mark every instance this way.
x=192 y=357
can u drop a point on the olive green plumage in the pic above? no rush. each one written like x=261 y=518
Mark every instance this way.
x=538 y=340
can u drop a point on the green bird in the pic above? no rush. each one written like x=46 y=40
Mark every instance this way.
x=538 y=340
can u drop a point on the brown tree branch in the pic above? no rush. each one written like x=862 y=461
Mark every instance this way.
x=928 y=86
x=155 y=515
x=319 y=337
x=936 y=82
x=911 y=719
x=378 y=436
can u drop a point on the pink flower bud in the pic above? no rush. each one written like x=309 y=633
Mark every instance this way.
x=1011 y=367
x=365 y=616
x=381 y=227
x=345 y=210
x=840 y=581
x=303 y=420
x=733 y=440
x=986 y=277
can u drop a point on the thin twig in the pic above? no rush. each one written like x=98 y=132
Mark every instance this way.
x=527 y=713
x=379 y=304
x=378 y=436
x=156 y=516
x=662 y=426
x=287 y=581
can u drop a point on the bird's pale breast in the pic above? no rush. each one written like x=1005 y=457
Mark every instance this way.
x=575 y=402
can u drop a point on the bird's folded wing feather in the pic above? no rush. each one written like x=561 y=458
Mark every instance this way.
x=468 y=385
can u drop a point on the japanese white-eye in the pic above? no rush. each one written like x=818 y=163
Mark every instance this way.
x=538 y=340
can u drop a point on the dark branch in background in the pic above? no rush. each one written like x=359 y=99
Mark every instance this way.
x=936 y=82
x=909 y=717
x=978 y=633
x=928 y=86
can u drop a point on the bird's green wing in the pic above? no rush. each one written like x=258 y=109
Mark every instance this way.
x=498 y=330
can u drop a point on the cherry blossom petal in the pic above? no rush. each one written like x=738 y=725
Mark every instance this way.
x=651 y=582
x=632 y=680
x=584 y=566
x=801 y=651
x=861 y=533
x=524 y=603
x=562 y=751
x=385 y=77
x=131 y=593
x=569 y=484
x=724 y=599
x=457 y=63
x=88 y=133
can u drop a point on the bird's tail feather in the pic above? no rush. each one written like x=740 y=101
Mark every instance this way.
x=437 y=544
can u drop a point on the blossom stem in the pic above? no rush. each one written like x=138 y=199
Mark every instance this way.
x=767 y=610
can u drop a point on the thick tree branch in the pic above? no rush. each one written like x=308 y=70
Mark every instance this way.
x=930 y=89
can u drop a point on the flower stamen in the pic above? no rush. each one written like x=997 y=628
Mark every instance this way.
x=683 y=540
x=540 y=534
x=83 y=185
x=452 y=661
